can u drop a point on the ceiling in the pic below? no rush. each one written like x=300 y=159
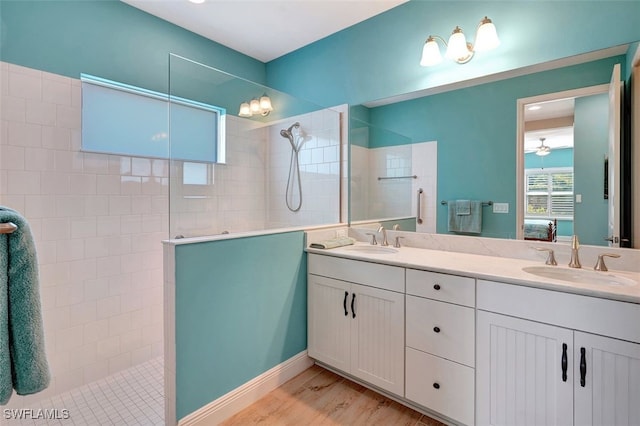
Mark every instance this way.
x=555 y=137
x=265 y=29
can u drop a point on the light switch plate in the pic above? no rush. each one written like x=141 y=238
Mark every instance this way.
x=501 y=207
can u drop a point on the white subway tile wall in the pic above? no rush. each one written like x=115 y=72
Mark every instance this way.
x=378 y=199
x=98 y=221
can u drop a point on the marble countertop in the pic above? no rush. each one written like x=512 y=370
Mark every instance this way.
x=493 y=268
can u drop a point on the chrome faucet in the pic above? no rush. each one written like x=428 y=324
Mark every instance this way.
x=575 y=246
x=384 y=236
x=600 y=266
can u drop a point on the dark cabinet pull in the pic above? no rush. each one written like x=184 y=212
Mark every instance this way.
x=436 y=329
x=436 y=287
x=583 y=367
x=353 y=301
x=564 y=362
x=436 y=385
x=344 y=303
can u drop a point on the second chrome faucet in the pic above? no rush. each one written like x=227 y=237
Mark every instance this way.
x=384 y=236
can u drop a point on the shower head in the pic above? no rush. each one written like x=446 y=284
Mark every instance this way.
x=294 y=125
x=286 y=133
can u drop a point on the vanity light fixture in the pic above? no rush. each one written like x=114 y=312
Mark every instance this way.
x=458 y=49
x=543 y=149
x=256 y=106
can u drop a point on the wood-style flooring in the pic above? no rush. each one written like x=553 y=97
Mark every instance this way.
x=319 y=397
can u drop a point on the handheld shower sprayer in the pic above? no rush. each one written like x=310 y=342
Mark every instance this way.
x=294 y=167
x=287 y=133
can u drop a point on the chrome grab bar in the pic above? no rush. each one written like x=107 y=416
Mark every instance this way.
x=419 y=218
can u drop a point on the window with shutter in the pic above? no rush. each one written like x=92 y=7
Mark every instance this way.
x=549 y=193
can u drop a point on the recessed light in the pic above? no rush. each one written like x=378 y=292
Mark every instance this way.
x=197 y=1
x=534 y=107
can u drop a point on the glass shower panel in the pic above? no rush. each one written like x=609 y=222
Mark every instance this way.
x=381 y=175
x=275 y=164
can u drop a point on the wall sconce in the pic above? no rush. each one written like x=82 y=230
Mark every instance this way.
x=256 y=106
x=458 y=49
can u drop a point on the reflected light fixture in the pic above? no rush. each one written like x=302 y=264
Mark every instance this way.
x=256 y=106
x=458 y=49
x=543 y=149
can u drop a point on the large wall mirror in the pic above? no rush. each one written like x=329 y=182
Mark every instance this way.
x=464 y=143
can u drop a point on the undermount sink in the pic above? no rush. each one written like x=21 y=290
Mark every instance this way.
x=371 y=249
x=580 y=276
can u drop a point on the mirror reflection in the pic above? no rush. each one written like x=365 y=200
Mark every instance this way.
x=475 y=131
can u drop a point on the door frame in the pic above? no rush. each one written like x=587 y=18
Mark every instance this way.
x=520 y=130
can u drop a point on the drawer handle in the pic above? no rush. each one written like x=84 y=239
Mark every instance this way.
x=583 y=367
x=564 y=362
x=353 y=301
x=436 y=287
x=436 y=329
x=436 y=385
x=344 y=303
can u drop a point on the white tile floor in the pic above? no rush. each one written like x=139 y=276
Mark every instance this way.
x=132 y=397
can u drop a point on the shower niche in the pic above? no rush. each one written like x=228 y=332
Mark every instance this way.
x=278 y=169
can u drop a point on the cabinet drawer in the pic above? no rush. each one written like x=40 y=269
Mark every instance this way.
x=371 y=274
x=441 y=329
x=454 y=395
x=585 y=313
x=448 y=288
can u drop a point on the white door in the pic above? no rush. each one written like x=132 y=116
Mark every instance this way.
x=377 y=337
x=613 y=162
x=523 y=372
x=607 y=381
x=329 y=321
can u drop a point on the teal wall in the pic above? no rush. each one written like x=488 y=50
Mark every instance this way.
x=240 y=310
x=557 y=158
x=476 y=132
x=380 y=57
x=591 y=145
x=108 y=39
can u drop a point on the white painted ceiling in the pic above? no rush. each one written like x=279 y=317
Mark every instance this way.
x=555 y=138
x=265 y=29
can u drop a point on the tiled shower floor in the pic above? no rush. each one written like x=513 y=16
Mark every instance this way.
x=131 y=397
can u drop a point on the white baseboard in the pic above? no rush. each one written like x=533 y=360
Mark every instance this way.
x=245 y=395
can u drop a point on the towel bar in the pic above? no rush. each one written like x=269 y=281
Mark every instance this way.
x=7 y=228
x=484 y=203
x=397 y=177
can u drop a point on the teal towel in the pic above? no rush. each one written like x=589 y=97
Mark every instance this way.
x=23 y=362
x=463 y=207
x=465 y=224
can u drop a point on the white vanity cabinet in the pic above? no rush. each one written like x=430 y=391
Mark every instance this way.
x=440 y=329
x=540 y=361
x=356 y=319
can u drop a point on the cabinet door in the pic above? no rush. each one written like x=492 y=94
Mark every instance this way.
x=377 y=337
x=519 y=373
x=329 y=321
x=607 y=381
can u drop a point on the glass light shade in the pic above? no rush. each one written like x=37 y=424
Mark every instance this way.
x=457 y=46
x=430 y=53
x=265 y=104
x=486 y=36
x=543 y=150
x=245 y=110
x=254 y=105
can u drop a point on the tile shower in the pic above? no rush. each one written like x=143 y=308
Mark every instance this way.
x=99 y=219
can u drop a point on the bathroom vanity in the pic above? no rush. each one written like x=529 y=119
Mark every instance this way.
x=476 y=339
